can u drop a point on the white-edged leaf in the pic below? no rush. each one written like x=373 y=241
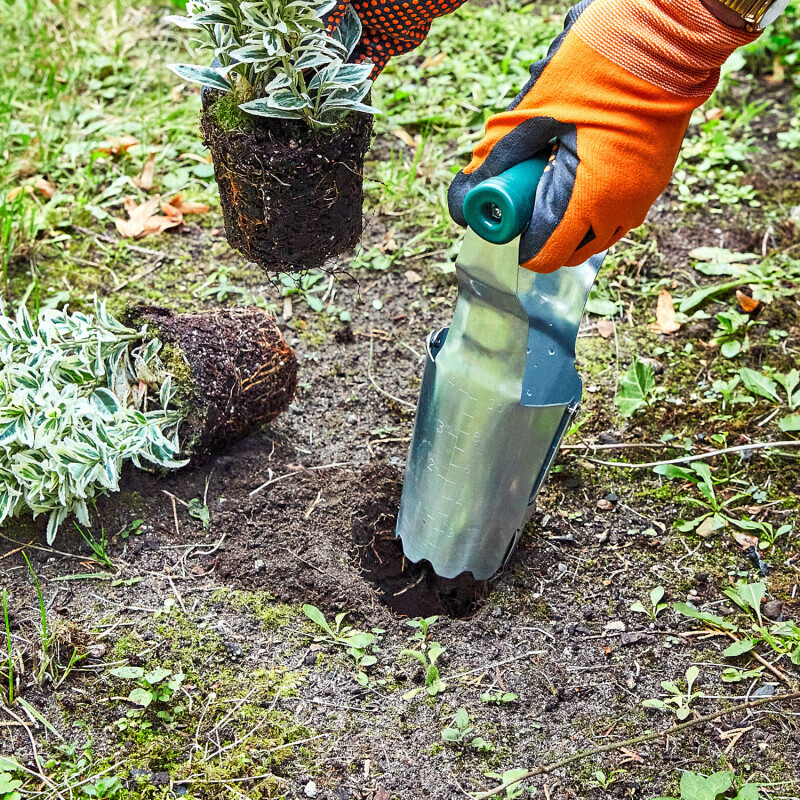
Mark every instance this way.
x=205 y=76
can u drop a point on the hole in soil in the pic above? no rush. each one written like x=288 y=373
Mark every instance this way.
x=408 y=589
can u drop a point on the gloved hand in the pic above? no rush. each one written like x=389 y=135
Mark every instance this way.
x=616 y=92
x=391 y=27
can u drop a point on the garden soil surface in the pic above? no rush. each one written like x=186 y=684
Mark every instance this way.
x=303 y=513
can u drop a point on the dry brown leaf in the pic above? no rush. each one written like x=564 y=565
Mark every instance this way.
x=434 y=61
x=388 y=244
x=745 y=540
x=17 y=191
x=144 y=180
x=665 y=315
x=413 y=277
x=195 y=157
x=714 y=113
x=173 y=212
x=194 y=208
x=404 y=136
x=747 y=303
x=143 y=221
x=605 y=327
x=117 y=145
x=44 y=187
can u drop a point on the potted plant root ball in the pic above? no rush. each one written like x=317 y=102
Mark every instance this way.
x=285 y=119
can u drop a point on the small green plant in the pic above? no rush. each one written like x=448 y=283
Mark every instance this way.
x=499 y=698
x=8 y=786
x=516 y=789
x=154 y=687
x=427 y=656
x=636 y=389
x=45 y=638
x=9 y=650
x=716 y=511
x=459 y=733
x=134 y=529
x=734 y=674
x=421 y=626
x=98 y=546
x=732 y=332
x=656 y=606
x=713 y=787
x=104 y=788
x=606 y=780
x=677 y=700
x=359 y=645
x=199 y=510
x=73 y=390
x=278 y=61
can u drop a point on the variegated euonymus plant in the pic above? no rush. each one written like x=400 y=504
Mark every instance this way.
x=74 y=396
x=278 y=60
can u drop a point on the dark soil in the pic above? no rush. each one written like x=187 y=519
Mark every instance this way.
x=291 y=197
x=242 y=373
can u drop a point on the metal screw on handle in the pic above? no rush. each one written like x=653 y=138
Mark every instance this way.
x=499 y=209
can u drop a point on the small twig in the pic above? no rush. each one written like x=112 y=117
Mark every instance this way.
x=299 y=472
x=375 y=383
x=648 y=737
x=699 y=456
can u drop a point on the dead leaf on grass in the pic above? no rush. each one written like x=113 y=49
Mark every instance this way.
x=186 y=207
x=117 y=145
x=405 y=137
x=143 y=221
x=747 y=303
x=144 y=180
x=413 y=277
x=745 y=540
x=605 y=327
x=434 y=61
x=665 y=315
x=45 y=187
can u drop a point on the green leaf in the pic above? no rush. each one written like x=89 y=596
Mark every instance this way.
x=656 y=594
x=318 y=618
x=638 y=607
x=672 y=471
x=261 y=108
x=127 y=673
x=697 y=787
x=141 y=697
x=739 y=648
x=635 y=388
x=199 y=510
x=461 y=718
x=106 y=402
x=690 y=611
x=205 y=76
x=790 y=424
x=157 y=675
x=731 y=348
x=748 y=792
x=759 y=384
x=451 y=735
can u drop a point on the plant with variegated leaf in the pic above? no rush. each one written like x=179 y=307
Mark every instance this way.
x=74 y=397
x=277 y=59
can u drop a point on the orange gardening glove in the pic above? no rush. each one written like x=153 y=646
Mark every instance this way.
x=391 y=27
x=615 y=92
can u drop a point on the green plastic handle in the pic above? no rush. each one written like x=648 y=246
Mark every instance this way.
x=499 y=209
